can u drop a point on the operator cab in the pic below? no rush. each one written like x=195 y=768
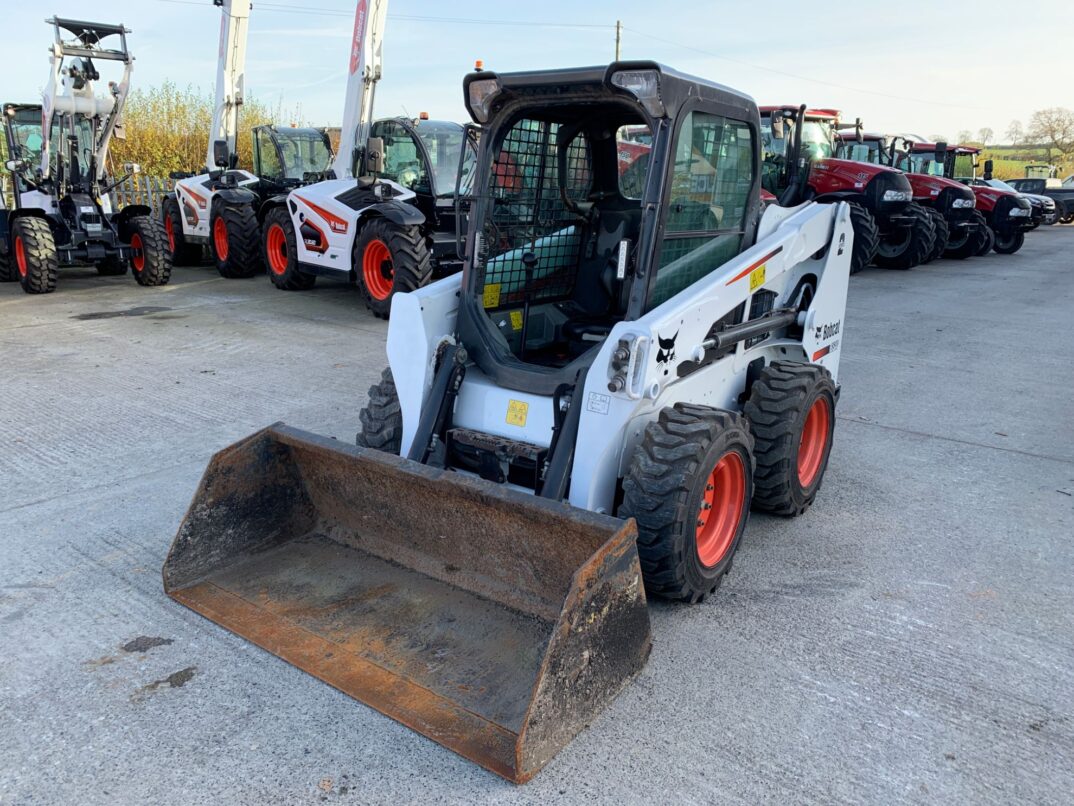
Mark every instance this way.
x=589 y=210
x=286 y=157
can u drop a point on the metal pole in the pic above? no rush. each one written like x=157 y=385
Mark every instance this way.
x=618 y=37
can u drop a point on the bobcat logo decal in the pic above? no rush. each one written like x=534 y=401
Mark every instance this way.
x=666 y=353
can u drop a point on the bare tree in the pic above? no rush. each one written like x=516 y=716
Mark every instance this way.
x=1054 y=128
x=1015 y=133
x=965 y=136
x=985 y=135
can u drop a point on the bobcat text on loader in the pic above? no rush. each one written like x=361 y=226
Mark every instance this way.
x=627 y=364
x=58 y=161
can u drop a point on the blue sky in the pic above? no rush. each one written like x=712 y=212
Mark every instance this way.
x=922 y=66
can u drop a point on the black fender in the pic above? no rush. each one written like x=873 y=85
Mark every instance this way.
x=399 y=213
x=839 y=195
x=129 y=212
x=269 y=204
x=236 y=196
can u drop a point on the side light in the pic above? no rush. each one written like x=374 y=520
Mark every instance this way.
x=480 y=97
x=643 y=85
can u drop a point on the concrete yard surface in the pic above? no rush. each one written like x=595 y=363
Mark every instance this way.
x=908 y=640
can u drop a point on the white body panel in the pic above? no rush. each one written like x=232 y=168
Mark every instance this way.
x=612 y=422
x=196 y=202
x=326 y=226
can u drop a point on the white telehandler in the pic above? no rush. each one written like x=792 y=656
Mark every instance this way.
x=58 y=161
x=220 y=205
x=632 y=358
x=353 y=226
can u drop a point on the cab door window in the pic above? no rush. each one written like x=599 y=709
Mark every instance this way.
x=705 y=217
x=403 y=161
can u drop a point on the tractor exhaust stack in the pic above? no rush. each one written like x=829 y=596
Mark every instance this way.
x=494 y=622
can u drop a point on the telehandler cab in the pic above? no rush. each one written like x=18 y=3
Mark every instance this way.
x=58 y=158
x=624 y=368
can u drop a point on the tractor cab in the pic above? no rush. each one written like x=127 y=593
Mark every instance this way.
x=599 y=194
x=287 y=157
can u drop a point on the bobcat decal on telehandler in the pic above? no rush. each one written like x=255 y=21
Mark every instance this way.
x=540 y=454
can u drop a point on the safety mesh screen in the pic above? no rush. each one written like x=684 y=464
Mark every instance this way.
x=527 y=212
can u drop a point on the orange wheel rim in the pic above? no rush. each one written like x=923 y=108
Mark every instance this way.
x=138 y=258
x=276 y=247
x=378 y=273
x=721 y=509
x=169 y=228
x=814 y=441
x=20 y=257
x=220 y=238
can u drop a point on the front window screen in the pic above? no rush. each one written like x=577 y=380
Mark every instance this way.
x=534 y=209
x=709 y=200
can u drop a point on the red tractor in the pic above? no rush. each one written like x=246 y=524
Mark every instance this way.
x=950 y=204
x=1005 y=215
x=800 y=165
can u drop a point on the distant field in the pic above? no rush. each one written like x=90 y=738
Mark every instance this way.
x=1010 y=161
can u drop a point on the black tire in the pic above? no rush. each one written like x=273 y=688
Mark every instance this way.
x=398 y=261
x=988 y=240
x=152 y=261
x=913 y=250
x=8 y=272
x=667 y=489
x=382 y=419
x=1009 y=244
x=866 y=237
x=235 y=240
x=33 y=253
x=942 y=232
x=785 y=398
x=1067 y=218
x=963 y=242
x=183 y=253
x=280 y=253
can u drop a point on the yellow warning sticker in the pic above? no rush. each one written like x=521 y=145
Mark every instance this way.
x=491 y=297
x=757 y=278
x=516 y=320
x=516 y=412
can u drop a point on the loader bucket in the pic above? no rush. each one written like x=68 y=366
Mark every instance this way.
x=494 y=622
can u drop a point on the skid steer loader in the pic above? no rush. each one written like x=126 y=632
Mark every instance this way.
x=629 y=361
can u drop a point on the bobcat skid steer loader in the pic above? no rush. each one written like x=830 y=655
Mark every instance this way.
x=632 y=357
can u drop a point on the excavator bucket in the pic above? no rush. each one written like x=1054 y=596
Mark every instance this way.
x=494 y=622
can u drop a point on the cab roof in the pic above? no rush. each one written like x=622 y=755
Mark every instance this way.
x=810 y=113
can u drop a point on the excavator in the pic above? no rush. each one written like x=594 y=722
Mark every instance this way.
x=635 y=355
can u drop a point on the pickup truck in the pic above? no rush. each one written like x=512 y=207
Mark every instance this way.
x=1053 y=188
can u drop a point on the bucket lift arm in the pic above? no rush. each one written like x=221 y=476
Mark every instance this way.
x=363 y=74
x=70 y=88
x=230 y=79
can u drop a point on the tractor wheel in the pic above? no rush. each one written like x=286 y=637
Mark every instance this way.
x=34 y=253
x=1068 y=218
x=183 y=253
x=151 y=262
x=388 y=259
x=235 y=240
x=689 y=488
x=791 y=412
x=912 y=247
x=988 y=240
x=281 y=253
x=1010 y=243
x=942 y=230
x=964 y=242
x=112 y=266
x=866 y=237
x=382 y=419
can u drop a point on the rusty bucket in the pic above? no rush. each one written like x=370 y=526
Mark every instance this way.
x=495 y=623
